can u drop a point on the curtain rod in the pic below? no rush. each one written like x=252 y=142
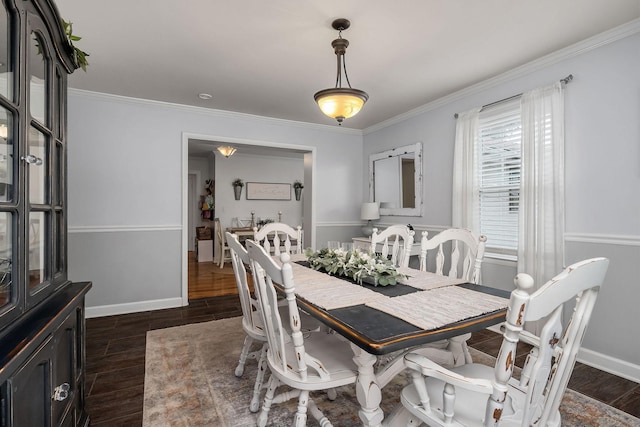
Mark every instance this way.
x=564 y=81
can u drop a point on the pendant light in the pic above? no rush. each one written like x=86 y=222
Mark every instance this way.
x=226 y=151
x=341 y=103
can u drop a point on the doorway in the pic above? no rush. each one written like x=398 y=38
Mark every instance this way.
x=263 y=148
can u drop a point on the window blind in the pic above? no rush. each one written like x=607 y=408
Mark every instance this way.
x=498 y=169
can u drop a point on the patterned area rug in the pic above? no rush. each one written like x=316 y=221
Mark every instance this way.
x=190 y=381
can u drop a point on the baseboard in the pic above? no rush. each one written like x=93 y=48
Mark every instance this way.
x=132 y=307
x=609 y=364
x=600 y=361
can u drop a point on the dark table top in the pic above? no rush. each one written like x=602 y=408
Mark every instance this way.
x=380 y=333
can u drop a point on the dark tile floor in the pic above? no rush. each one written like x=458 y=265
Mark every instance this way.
x=116 y=352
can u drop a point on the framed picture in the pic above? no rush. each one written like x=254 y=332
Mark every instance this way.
x=268 y=191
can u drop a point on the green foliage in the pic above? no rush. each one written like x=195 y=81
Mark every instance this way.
x=297 y=184
x=237 y=183
x=80 y=55
x=359 y=266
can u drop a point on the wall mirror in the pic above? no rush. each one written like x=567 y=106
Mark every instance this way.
x=395 y=180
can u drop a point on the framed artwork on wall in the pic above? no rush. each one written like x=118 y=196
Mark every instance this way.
x=268 y=191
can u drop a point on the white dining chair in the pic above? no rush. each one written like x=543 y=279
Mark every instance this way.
x=276 y=237
x=457 y=253
x=478 y=395
x=318 y=361
x=459 y=249
x=224 y=253
x=393 y=242
x=252 y=323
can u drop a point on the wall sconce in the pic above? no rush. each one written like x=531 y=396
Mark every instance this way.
x=227 y=151
x=341 y=103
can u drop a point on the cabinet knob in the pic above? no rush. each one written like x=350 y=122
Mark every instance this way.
x=61 y=392
x=32 y=160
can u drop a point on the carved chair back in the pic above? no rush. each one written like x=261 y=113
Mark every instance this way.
x=393 y=242
x=459 y=249
x=276 y=237
x=286 y=353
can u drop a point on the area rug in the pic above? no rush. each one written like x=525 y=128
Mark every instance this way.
x=190 y=382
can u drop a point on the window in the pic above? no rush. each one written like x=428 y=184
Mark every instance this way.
x=498 y=176
x=508 y=178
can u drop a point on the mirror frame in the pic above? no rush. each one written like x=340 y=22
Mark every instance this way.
x=413 y=148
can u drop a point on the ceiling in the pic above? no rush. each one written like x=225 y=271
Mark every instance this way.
x=268 y=58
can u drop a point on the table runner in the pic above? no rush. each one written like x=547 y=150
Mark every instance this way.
x=438 y=307
x=330 y=292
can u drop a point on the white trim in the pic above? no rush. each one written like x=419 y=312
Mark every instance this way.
x=186 y=136
x=607 y=239
x=213 y=112
x=610 y=36
x=121 y=228
x=609 y=364
x=488 y=259
x=600 y=361
x=132 y=307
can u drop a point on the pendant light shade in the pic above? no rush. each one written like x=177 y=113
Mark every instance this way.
x=341 y=103
x=227 y=151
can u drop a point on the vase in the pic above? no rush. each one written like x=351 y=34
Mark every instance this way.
x=237 y=191
x=298 y=192
x=370 y=280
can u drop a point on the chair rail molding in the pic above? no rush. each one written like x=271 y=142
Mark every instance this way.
x=608 y=239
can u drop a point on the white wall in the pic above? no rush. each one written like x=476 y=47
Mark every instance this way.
x=126 y=182
x=602 y=116
x=257 y=169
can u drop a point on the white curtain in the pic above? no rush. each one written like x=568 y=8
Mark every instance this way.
x=541 y=213
x=465 y=209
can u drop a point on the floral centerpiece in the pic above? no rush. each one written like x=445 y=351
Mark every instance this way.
x=357 y=265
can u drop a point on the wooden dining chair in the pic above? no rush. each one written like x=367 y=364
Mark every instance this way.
x=457 y=253
x=252 y=323
x=303 y=362
x=393 y=242
x=276 y=237
x=460 y=250
x=224 y=252
x=479 y=395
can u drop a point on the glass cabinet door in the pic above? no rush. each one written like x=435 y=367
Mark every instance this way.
x=6 y=260
x=32 y=160
x=9 y=293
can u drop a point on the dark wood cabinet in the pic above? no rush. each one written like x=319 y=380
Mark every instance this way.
x=42 y=332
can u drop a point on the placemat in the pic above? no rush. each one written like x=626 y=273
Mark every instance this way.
x=426 y=280
x=330 y=292
x=438 y=307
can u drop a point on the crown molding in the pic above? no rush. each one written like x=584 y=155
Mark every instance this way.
x=599 y=40
x=224 y=114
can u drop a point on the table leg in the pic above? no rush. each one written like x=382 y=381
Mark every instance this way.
x=367 y=388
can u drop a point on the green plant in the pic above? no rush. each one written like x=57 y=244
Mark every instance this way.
x=80 y=55
x=237 y=183
x=297 y=184
x=359 y=266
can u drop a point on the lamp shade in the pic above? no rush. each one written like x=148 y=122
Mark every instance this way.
x=369 y=211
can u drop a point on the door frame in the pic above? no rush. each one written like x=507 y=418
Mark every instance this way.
x=308 y=209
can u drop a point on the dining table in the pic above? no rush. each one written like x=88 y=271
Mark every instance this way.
x=389 y=320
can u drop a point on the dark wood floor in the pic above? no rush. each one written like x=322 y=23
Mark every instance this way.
x=116 y=353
